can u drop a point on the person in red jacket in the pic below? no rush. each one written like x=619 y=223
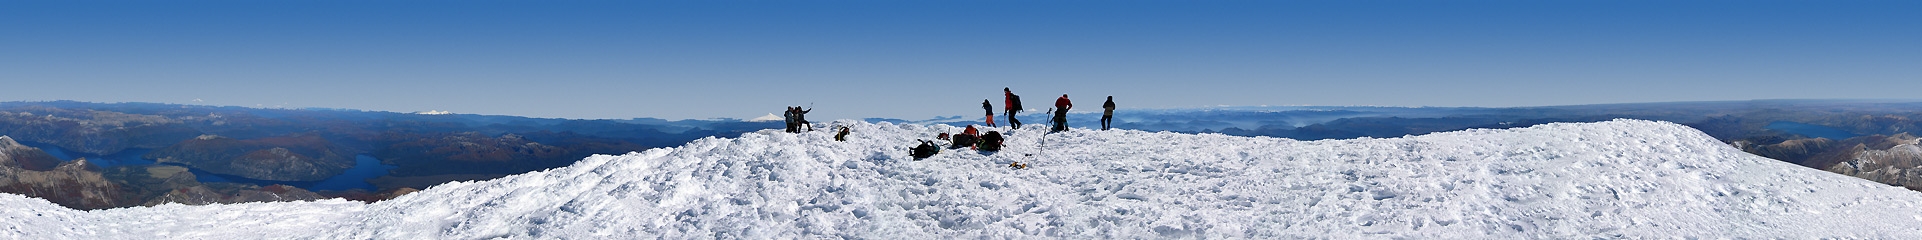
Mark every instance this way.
x=1013 y=105
x=1061 y=107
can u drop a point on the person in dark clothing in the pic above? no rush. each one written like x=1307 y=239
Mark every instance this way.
x=801 y=119
x=843 y=136
x=991 y=141
x=985 y=106
x=1061 y=107
x=789 y=116
x=1013 y=105
x=1107 y=113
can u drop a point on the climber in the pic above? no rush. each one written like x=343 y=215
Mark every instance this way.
x=1107 y=113
x=1013 y=105
x=985 y=106
x=1061 y=113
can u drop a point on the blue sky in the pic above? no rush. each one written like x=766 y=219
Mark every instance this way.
x=917 y=59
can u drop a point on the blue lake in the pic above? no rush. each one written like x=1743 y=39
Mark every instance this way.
x=365 y=167
x=1810 y=130
x=127 y=157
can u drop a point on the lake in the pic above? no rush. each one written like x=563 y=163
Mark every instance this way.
x=365 y=167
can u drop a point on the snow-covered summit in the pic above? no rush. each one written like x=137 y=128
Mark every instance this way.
x=1617 y=179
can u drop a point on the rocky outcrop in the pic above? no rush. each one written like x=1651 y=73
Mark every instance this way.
x=162 y=184
x=295 y=158
x=1893 y=161
x=75 y=184
x=22 y=156
x=1794 y=151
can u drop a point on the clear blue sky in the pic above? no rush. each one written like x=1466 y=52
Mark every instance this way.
x=917 y=59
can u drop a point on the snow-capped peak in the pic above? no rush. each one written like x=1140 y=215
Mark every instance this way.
x=770 y=117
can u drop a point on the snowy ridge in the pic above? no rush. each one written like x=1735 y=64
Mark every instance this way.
x=1624 y=178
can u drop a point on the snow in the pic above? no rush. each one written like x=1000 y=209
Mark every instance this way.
x=1617 y=179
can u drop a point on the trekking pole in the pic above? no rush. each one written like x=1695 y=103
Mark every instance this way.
x=1051 y=122
x=1043 y=146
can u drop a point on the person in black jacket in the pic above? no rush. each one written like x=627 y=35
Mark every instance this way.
x=789 y=116
x=1107 y=113
x=985 y=106
x=801 y=119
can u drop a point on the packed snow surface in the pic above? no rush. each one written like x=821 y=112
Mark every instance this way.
x=1617 y=179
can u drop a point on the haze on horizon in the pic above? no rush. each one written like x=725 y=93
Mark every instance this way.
x=856 y=59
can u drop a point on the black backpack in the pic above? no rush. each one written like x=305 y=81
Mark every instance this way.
x=990 y=142
x=962 y=140
x=925 y=150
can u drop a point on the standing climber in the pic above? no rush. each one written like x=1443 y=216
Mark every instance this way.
x=985 y=106
x=1013 y=105
x=789 y=116
x=1061 y=107
x=801 y=119
x=1107 y=113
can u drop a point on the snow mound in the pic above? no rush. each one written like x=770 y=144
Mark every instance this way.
x=1617 y=179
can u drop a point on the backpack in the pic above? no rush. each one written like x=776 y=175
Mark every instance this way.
x=990 y=142
x=925 y=150
x=963 y=140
